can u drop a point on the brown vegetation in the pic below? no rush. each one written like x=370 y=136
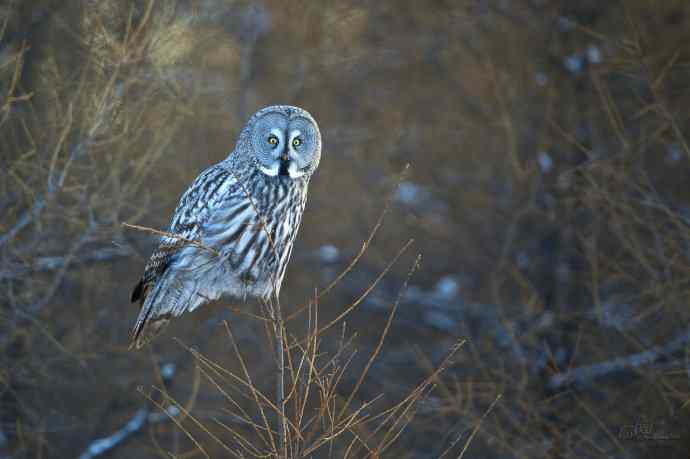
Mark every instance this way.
x=548 y=194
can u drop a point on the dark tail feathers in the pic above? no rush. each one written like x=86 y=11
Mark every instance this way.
x=147 y=326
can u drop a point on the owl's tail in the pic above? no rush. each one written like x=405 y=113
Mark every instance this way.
x=170 y=296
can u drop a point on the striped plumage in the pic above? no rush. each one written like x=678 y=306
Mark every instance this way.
x=236 y=224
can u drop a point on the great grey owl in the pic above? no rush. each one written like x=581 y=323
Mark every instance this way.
x=236 y=224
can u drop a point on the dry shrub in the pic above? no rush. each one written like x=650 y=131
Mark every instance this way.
x=596 y=244
x=313 y=416
x=79 y=140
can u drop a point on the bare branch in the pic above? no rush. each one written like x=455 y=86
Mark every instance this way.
x=172 y=236
x=585 y=375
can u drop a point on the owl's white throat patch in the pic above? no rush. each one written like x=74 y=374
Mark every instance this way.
x=294 y=171
x=270 y=171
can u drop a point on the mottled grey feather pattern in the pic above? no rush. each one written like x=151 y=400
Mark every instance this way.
x=246 y=210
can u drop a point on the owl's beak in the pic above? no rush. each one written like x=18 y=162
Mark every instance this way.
x=284 y=163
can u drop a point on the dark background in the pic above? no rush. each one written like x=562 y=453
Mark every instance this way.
x=547 y=192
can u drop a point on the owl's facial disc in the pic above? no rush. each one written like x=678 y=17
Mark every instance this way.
x=286 y=146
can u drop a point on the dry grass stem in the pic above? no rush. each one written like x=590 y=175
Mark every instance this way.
x=172 y=236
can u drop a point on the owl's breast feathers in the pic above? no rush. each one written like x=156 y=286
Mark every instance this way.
x=252 y=221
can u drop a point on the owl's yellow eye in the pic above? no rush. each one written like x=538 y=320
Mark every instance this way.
x=273 y=140
x=296 y=142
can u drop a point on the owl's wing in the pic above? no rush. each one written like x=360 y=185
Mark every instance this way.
x=213 y=186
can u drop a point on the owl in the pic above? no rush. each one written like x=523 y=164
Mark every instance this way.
x=235 y=226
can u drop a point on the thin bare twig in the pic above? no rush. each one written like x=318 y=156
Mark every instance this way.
x=172 y=236
x=366 y=292
x=50 y=263
x=375 y=354
x=252 y=387
x=479 y=424
x=362 y=250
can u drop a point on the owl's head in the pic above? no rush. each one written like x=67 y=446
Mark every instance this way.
x=284 y=141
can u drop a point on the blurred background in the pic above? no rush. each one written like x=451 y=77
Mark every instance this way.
x=547 y=193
